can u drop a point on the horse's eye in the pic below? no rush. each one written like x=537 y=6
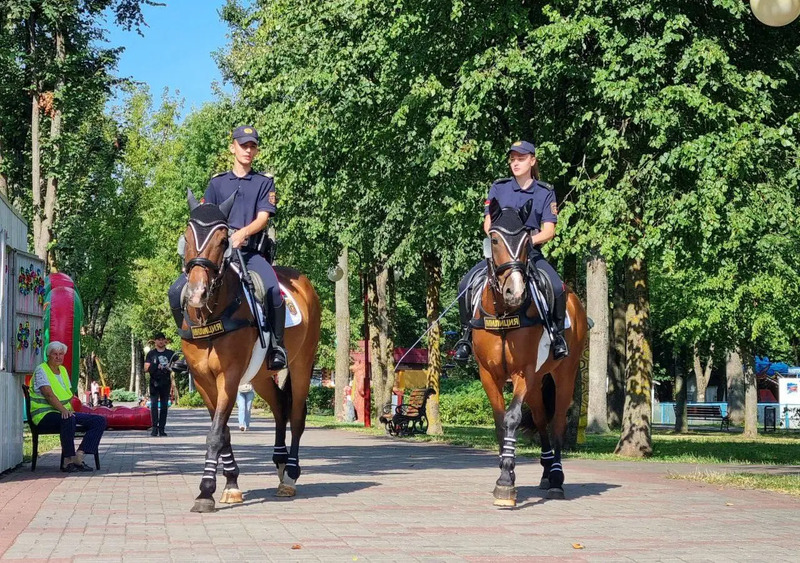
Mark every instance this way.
x=494 y=241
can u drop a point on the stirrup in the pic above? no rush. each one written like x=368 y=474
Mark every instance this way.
x=463 y=350
x=278 y=359
x=560 y=348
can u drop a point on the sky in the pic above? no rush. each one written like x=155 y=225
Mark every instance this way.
x=176 y=50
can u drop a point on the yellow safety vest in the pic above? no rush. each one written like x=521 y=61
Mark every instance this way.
x=39 y=405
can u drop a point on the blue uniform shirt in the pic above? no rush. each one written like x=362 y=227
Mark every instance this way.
x=508 y=193
x=252 y=196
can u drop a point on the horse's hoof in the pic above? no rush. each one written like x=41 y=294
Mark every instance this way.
x=203 y=505
x=231 y=496
x=505 y=496
x=556 y=493
x=281 y=471
x=544 y=483
x=286 y=488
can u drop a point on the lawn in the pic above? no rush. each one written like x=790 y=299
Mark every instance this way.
x=46 y=443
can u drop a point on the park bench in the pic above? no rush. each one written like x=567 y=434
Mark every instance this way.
x=707 y=412
x=410 y=417
x=35 y=433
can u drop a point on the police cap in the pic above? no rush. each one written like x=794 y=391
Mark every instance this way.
x=244 y=134
x=523 y=147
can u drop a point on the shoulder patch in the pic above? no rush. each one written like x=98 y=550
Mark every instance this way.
x=545 y=185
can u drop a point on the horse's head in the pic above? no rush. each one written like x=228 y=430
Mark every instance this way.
x=508 y=252
x=206 y=248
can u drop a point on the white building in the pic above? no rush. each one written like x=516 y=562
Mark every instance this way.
x=21 y=333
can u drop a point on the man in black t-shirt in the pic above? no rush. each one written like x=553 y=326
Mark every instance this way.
x=157 y=364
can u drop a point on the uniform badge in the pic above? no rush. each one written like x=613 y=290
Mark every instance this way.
x=272 y=198
x=517 y=144
x=248 y=130
x=553 y=208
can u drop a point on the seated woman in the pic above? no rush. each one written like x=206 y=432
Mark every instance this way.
x=51 y=410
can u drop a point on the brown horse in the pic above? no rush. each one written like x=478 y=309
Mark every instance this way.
x=515 y=344
x=223 y=350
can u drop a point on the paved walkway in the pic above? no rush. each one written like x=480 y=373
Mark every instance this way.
x=375 y=499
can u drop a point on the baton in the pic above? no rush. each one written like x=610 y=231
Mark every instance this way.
x=248 y=282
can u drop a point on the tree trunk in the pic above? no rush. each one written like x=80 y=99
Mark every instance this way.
x=377 y=365
x=635 y=439
x=139 y=367
x=702 y=375
x=36 y=165
x=433 y=276
x=133 y=363
x=384 y=393
x=734 y=374
x=3 y=177
x=45 y=235
x=681 y=422
x=750 y=394
x=597 y=309
x=342 y=335
x=616 y=352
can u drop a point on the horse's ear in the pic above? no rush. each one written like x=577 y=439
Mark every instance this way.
x=226 y=205
x=494 y=209
x=193 y=203
x=525 y=212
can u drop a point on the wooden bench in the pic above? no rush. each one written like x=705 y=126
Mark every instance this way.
x=410 y=417
x=707 y=412
x=35 y=433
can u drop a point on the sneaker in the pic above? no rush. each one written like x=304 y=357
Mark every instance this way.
x=242 y=429
x=162 y=433
x=75 y=468
x=154 y=432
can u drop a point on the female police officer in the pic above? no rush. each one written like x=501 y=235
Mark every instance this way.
x=253 y=205
x=514 y=192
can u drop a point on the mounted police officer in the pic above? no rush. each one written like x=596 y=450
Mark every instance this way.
x=253 y=206
x=515 y=192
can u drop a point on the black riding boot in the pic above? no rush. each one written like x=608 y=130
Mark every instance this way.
x=560 y=349
x=277 y=357
x=463 y=348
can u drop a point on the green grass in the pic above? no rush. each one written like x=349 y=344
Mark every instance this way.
x=668 y=447
x=786 y=484
x=47 y=442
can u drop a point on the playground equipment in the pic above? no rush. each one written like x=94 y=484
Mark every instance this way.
x=63 y=316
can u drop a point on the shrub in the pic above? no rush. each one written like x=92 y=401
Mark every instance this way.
x=465 y=403
x=191 y=400
x=123 y=396
x=320 y=400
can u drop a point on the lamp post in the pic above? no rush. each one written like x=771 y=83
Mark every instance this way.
x=775 y=13
x=335 y=274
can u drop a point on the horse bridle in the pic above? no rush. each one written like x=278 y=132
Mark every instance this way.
x=205 y=263
x=513 y=265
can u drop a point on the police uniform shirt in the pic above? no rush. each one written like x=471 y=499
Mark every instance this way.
x=252 y=196
x=508 y=193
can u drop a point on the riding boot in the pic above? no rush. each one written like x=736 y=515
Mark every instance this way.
x=560 y=349
x=278 y=359
x=463 y=348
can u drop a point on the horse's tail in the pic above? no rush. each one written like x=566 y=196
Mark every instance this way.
x=549 y=398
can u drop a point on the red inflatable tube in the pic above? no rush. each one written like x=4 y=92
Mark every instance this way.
x=118 y=418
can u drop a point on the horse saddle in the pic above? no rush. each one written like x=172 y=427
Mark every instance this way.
x=293 y=315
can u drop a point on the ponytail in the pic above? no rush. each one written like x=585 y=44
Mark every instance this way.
x=535 y=169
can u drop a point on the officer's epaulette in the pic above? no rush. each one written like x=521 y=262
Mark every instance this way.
x=545 y=185
x=502 y=180
x=218 y=174
x=265 y=174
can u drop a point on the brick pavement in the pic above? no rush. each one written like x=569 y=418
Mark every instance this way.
x=375 y=499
